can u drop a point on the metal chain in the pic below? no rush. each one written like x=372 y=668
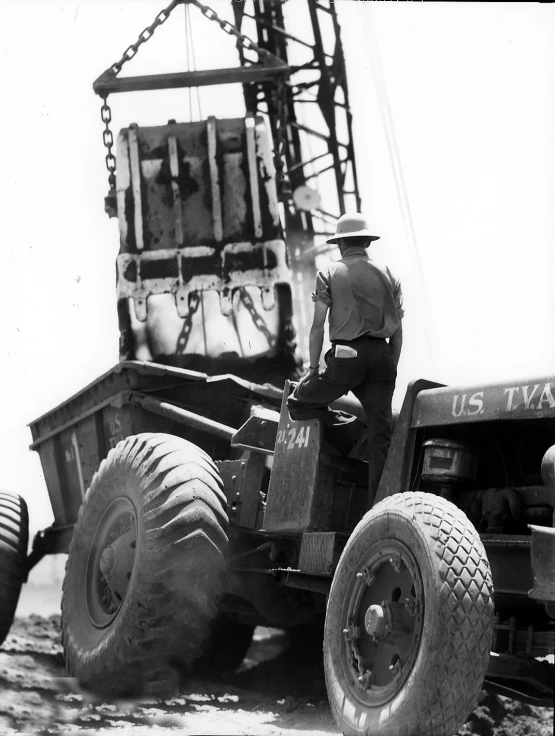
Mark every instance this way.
x=232 y=30
x=256 y=317
x=183 y=339
x=108 y=139
x=105 y=112
x=130 y=51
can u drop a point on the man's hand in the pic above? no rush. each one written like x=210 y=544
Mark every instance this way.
x=311 y=372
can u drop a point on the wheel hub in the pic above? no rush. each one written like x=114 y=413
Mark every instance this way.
x=377 y=621
x=111 y=561
x=384 y=617
x=108 y=561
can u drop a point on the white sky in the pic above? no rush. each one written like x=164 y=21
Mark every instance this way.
x=471 y=92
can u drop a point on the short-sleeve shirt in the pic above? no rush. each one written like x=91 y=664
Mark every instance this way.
x=364 y=297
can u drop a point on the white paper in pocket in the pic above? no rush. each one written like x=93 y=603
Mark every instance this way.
x=344 y=351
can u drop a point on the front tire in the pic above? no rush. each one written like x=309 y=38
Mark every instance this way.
x=145 y=567
x=409 y=621
x=14 y=538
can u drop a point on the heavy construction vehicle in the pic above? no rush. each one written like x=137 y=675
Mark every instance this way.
x=193 y=508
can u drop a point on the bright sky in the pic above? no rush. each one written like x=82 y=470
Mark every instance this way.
x=458 y=99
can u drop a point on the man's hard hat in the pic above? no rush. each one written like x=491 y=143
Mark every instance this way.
x=350 y=226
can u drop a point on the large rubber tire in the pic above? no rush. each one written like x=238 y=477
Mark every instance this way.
x=14 y=538
x=416 y=556
x=145 y=568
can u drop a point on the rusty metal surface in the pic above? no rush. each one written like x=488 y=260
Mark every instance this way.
x=108 y=83
x=53 y=540
x=52 y=479
x=233 y=474
x=258 y=433
x=320 y=552
x=531 y=399
x=74 y=437
x=177 y=414
x=203 y=272
x=293 y=499
x=509 y=559
x=137 y=375
x=543 y=563
x=304 y=581
x=182 y=271
x=294 y=502
x=243 y=486
x=126 y=375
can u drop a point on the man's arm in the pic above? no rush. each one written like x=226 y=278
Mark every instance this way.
x=396 y=342
x=316 y=339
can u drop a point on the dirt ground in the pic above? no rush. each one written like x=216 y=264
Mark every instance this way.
x=277 y=690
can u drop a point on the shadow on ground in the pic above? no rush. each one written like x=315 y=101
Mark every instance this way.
x=278 y=689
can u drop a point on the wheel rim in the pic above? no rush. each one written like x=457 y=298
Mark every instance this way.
x=382 y=624
x=110 y=562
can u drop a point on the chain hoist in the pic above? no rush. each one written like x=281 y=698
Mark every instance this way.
x=106 y=114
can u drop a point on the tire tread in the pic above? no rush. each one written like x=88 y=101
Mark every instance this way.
x=14 y=538
x=180 y=580
x=466 y=592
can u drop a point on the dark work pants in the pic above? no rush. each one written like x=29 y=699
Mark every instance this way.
x=371 y=377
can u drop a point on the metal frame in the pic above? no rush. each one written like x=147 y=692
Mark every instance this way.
x=328 y=85
x=324 y=78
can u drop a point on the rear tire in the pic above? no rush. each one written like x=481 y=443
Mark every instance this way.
x=14 y=538
x=409 y=622
x=145 y=567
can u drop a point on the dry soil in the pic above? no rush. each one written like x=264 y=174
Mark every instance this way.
x=277 y=690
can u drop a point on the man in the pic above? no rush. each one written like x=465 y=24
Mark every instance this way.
x=365 y=309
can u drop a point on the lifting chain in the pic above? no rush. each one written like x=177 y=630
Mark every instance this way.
x=108 y=140
x=105 y=112
x=130 y=52
x=194 y=303
x=242 y=40
x=183 y=339
x=256 y=317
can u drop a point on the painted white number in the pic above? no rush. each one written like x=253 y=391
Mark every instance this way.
x=294 y=438
x=300 y=438
x=291 y=434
